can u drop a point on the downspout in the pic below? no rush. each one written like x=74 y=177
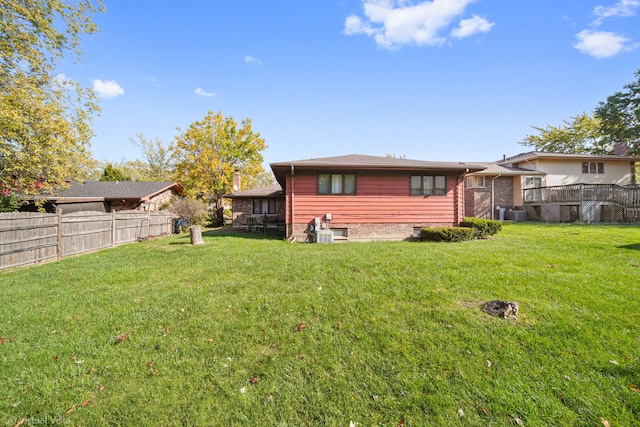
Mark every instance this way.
x=293 y=192
x=493 y=196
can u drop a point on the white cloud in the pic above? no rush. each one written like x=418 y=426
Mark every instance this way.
x=251 y=60
x=108 y=89
x=469 y=27
x=601 y=44
x=201 y=92
x=392 y=23
x=622 y=8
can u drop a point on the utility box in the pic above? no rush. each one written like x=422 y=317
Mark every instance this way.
x=518 y=216
x=324 y=236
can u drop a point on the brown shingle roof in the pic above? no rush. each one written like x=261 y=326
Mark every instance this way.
x=110 y=190
x=268 y=191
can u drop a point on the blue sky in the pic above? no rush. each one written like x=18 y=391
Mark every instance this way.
x=440 y=80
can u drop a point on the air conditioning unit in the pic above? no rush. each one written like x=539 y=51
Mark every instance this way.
x=324 y=236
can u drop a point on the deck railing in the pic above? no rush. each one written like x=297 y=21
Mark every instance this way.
x=611 y=193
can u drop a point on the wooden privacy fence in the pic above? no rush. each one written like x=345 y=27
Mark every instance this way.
x=27 y=238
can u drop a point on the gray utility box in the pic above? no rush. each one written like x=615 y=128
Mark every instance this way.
x=517 y=216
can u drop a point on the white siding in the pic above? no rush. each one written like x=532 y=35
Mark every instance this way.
x=565 y=172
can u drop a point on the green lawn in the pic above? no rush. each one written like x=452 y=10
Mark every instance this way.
x=248 y=331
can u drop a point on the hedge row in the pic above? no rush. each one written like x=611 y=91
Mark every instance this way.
x=483 y=227
x=447 y=234
x=470 y=228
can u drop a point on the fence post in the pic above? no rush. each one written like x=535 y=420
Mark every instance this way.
x=59 y=238
x=148 y=222
x=113 y=228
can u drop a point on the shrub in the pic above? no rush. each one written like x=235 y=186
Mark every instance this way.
x=193 y=211
x=483 y=227
x=447 y=234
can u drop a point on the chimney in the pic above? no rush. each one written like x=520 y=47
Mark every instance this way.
x=620 y=149
x=236 y=181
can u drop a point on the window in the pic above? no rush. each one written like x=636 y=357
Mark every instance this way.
x=428 y=185
x=592 y=167
x=264 y=206
x=480 y=181
x=533 y=184
x=336 y=183
x=339 y=232
x=469 y=181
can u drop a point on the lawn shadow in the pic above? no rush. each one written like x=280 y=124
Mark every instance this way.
x=185 y=239
x=633 y=246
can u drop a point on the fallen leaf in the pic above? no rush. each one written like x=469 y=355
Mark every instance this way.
x=254 y=380
x=605 y=423
x=460 y=412
x=552 y=266
x=86 y=403
x=121 y=338
x=19 y=423
x=1 y=340
x=101 y=387
x=70 y=410
x=489 y=363
x=615 y=362
x=243 y=390
x=79 y=362
x=300 y=327
x=634 y=387
x=151 y=363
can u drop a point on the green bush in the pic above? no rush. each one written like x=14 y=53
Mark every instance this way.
x=447 y=234
x=483 y=227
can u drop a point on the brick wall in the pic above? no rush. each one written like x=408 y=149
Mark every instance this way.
x=369 y=232
x=242 y=208
x=478 y=199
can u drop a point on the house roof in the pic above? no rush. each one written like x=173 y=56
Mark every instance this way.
x=268 y=191
x=495 y=169
x=115 y=190
x=363 y=162
x=534 y=155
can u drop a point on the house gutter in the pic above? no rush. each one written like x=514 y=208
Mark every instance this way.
x=493 y=196
x=293 y=192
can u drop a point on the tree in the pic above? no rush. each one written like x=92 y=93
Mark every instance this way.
x=209 y=152
x=112 y=173
x=45 y=118
x=580 y=135
x=613 y=122
x=620 y=116
x=158 y=165
x=262 y=179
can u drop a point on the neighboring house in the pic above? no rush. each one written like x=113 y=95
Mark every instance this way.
x=107 y=196
x=552 y=187
x=370 y=198
x=268 y=202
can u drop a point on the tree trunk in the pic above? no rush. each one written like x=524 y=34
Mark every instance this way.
x=196 y=235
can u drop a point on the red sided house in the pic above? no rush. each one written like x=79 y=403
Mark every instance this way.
x=361 y=197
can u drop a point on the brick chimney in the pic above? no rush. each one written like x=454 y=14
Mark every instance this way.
x=237 y=181
x=620 y=149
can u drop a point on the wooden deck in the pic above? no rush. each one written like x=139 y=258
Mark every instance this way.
x=579 y=193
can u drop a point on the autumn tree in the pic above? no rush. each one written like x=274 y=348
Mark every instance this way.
x=208 y=153
x=45 y=118
x=157 y=164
